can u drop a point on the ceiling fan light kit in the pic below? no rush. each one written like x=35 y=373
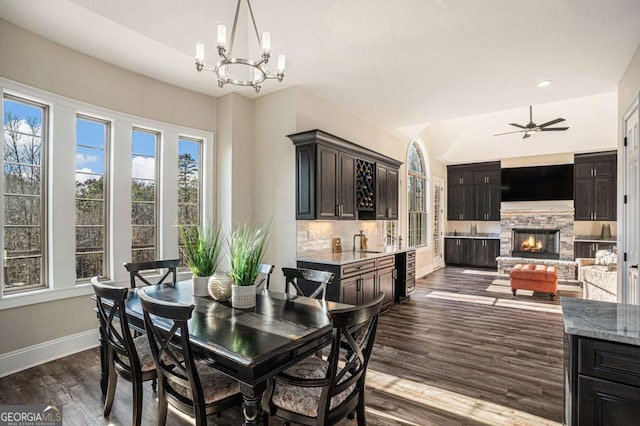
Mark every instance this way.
x=226 y=66
x=532 y=128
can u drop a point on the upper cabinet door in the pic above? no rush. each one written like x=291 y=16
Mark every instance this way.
x=347 y=187
x=393 y=194
x=382 y=191
x=327 y=185
x=595 y=187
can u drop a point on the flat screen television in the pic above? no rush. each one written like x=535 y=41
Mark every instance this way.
x=541 y=183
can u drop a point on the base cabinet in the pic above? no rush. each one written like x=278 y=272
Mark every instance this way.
x=602 y=382
x=359 y=282
x=477 y=252
x=588 y=250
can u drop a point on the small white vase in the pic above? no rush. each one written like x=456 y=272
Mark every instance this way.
x=200 y=286
x=220 y=286
x=243 y=296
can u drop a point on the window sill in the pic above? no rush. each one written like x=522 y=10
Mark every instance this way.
x=44 y=295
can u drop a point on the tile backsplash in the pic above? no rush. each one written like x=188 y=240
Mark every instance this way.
x=317 y=235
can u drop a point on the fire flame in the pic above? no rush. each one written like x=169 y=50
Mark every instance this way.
x=531 y=245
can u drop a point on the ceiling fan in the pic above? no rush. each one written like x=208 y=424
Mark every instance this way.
x=531 y=128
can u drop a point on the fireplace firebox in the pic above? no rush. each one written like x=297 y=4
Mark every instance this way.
x=535 y=243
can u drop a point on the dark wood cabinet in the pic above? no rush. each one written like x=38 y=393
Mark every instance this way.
x=473 y=192
x=386 y=192
x=359 y=282
x=588 y=250
x=595 y=186
x=385 y=279
x=457 y=251
x=602 y=385
x=334 y=179
x=478 y=252
x=484 y=253
x=406 y=275
x=336 y=184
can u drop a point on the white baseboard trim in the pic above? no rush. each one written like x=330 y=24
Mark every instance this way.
x=12 y=362
x=424 y=271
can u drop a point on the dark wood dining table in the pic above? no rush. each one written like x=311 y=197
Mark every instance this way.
x=250 y=345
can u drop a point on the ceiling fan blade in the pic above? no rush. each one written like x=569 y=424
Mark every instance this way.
x=549 y=123
x=526 y=135
x=551 y=129
x=517 y=125
x=508 y=133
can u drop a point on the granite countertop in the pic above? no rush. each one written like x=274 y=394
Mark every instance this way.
x=614 y=322
x=479 y=235
x=347 y=256
x=594 y=239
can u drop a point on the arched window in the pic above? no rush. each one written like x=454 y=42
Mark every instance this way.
x=417 y=197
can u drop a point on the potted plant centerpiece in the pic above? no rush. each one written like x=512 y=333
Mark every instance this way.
x=202 y=251
x=247 y=246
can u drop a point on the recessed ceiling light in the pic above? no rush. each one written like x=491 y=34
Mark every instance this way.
x=544 y=83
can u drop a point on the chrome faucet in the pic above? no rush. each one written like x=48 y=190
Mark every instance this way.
x=361 y=235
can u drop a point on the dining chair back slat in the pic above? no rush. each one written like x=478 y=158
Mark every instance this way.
x=315 y=282
x=342 y=386
x=179 y=381
x=122 y=354
x=264 y=271
x=136 y=270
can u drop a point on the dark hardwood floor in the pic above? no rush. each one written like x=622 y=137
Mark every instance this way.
x=463 y=350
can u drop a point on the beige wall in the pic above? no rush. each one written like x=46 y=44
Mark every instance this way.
x=38 y=62
x=629 y=85
x=274 y=177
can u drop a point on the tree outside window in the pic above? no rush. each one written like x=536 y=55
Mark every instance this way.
x=144 y=215
x=92 y=136
x=24 y=201
x=417 y=205
x=189 y=180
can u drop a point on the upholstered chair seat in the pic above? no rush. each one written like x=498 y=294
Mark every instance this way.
x=306 y=400
x=215 y=385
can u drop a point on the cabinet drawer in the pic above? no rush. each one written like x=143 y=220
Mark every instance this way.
x=411 y=275
x=386 y=261
x=411 y=265
x=411 y=255
x=610 y=361
x=411 y=286
x=358 y=268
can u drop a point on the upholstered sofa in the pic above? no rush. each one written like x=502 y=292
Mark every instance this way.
x=599 y=282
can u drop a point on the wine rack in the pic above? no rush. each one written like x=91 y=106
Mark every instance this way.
x=364 y=185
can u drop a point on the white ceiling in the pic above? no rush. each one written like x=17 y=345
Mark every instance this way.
x=401 y=63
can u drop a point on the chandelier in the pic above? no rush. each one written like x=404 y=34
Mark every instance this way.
x=229 y=69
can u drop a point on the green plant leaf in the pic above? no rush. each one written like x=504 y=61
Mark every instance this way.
x=247 y=247
x=202 y=248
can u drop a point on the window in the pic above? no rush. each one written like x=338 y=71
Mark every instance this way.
x=144 y=179
x=24 y=197
x=417 y=186
x=189 y=177
x=92 y=136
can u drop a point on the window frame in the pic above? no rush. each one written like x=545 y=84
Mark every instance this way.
x=60 y=272
x=413 y=237
x=44 y=194
x=106 y=193
x=156 y=190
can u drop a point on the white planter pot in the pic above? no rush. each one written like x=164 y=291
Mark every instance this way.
x=200 y=286
x=243 y=297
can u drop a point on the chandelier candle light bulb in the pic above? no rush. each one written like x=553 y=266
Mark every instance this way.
x=235 y=75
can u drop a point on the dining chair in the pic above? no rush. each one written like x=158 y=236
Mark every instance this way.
x=127 y=357
x=136 y=269
x=323 y=392
x=313 y=282
x=265 y=270
x=194 y=388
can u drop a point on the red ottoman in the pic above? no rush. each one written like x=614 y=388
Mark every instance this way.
x=534 y=277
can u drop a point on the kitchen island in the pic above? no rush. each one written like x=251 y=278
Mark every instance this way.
x=359 y=276
x=601 y=362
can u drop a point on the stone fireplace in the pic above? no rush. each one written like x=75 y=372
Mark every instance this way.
x=535 y=243
x=554 y=222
